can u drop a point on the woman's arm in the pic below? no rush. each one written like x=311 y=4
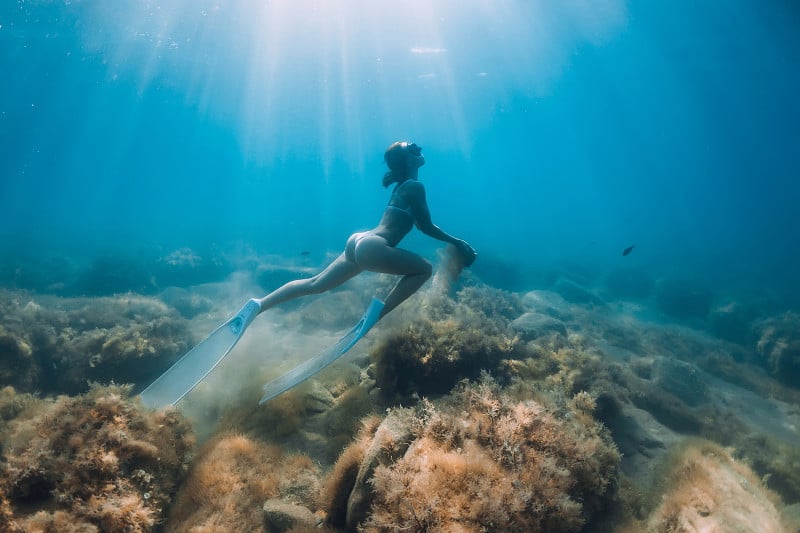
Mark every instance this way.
x=415 y=194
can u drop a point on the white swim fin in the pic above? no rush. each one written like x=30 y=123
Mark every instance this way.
x=307 y=369
x=198 y=362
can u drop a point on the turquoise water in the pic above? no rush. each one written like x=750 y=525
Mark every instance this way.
x=555 y=132
x=626 y=170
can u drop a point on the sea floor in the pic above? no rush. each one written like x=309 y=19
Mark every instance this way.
x=659 y=389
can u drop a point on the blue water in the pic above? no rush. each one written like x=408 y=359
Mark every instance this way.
x=555 y=132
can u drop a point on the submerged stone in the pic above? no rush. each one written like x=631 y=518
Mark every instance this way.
x=680 y=379
x=282 y=515
x=531 y=326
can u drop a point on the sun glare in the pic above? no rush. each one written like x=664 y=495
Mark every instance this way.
x=311 y=77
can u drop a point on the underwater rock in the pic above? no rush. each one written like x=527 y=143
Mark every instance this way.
x=777 y=462
x=282 y=515
x=683 y=299
x=615 y=385
x=318 y=399
x=577 y=294
x=341 y=479
x=733 y=322
x=185 y=267
x=496 y=304
x=40 y=274
x=188 y=303
x=319 y=417
x=12 y=404
x=302 y=487
x=779 y=347
x=93 y=462
x=548 y=303
x=531 y=326
x=619 y=333
x=18 y=368
x=479 y=460
x=113 y=274
x=679 y=378
x=707 y=490
x=229 y=481
x=429 y=357
x=641 y=439
x=119 y=273
x=58 y=344
x=390 y=441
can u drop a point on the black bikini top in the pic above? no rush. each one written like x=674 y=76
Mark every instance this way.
x=396 y=198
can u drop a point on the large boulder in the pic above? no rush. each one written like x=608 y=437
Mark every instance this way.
x=390 y=442
x=779 y=347
x=548 y=303
x=95 y=462
x=282 y=515
x=531 y=326
x=577 y=294
x=679 y=378
x=59 y=344
x=477 y=461
x=708 y=490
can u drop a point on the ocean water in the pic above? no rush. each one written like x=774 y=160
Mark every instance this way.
x=554 y=132
x=557 y=134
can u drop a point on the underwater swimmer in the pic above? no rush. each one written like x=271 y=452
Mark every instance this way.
x=376 y=250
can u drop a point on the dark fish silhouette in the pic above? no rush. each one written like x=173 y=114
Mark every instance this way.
x=305 y=252
x=627 y=250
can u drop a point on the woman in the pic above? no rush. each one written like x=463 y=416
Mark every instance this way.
x=376 y=250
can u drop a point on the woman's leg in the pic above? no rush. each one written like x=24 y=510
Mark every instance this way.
x=334 y=275
x=374 y=254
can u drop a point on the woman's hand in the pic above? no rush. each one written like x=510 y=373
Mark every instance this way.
x=468 y=253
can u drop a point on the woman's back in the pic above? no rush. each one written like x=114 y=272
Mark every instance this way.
x=398 y=217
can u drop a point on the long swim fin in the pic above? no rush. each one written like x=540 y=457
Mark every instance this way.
x=307 y=369
x=198 y=362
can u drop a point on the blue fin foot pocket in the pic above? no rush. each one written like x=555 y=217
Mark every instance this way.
x=309 y=368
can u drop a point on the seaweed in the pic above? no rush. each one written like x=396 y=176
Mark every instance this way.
x=56 y=345
x=93 y=461
x=429 y=358
x=779 y=347
x=230 y=479
x=705 y=488
x=478 y=460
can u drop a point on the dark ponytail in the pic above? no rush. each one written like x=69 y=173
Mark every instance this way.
x=389 y=178
x=396 y=159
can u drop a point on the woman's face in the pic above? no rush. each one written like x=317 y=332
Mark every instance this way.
x=415 y=157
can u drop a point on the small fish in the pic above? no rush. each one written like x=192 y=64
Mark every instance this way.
x=305 y=252
x=628 y=250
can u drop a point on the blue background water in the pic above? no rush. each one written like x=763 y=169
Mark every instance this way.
x=555 y=132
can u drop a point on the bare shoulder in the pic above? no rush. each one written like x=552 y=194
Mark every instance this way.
x=414 y=189
x=414 y=193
